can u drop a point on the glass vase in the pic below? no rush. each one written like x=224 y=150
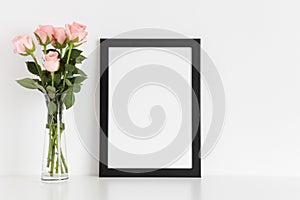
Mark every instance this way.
x=54 y=164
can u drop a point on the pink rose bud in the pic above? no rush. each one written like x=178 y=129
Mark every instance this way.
x=23 y=44
x=51 y=61
x=76 y=32
x=44 y=34
x=59 y=35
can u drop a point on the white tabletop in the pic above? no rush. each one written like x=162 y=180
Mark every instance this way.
x=208 y=188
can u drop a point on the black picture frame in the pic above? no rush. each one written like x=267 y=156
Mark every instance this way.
x=105 y=44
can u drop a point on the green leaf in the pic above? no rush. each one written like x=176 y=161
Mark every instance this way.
x=32 y=68
x=51 y=108
x=51 y=89
x=80 y=44
x=51 y=95
x=58 y=45
x=57 y=78
x=28 y=83
x=70 y=76
x=75 y=53
x=69 y=99
x=41 y=88
x=46 y=77
x=80 y=79
x=76 y=40
x=80 y=58
x=68 y=82
x=76 y=88
x=38 y=38
x=81 y=72
x=70 y=67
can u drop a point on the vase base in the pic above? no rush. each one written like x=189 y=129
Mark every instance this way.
x=55 y=178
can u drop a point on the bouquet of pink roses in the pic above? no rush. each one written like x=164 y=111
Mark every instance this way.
x=57 y=77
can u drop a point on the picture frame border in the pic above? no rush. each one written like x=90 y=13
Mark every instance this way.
x=195 y=45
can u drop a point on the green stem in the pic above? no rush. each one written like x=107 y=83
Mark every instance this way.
x=61 y=52
x=50 y=141
x=56 y=168
x=52 y=161
x=52 y=79
x=61 y=169
x=45 y=49
x=64 y=161
x=53 y=152
x=61 y=152
x=49 y=150
x=66 y=51
x=69 y=52
x=68 y=60
x=37 y=67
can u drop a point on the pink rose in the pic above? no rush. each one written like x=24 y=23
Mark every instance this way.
x=59 y=35
x=21 y=43
x=44 y=34
x=76 y=31
x=51 y=61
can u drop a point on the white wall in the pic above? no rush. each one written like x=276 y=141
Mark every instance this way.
x=254 y=44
